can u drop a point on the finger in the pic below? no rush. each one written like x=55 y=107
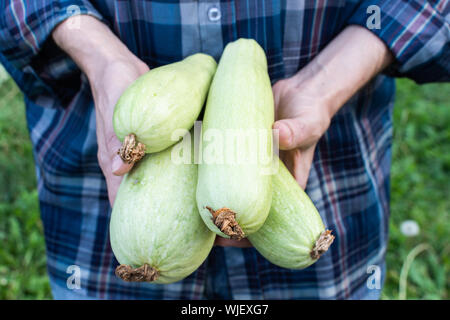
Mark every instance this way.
x=292 y=133
x=112 y=185
x=288 y=157
x=299 y=162
x=298 y=132
x=223 y=242
x=118 y=166
x=277 y=92
x=284 y=135
x=111 y=145
x=302 y=166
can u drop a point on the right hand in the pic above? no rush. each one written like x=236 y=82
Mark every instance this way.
x=110 y=68
x=107 y=88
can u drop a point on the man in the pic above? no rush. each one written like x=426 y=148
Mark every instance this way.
x=330 y=63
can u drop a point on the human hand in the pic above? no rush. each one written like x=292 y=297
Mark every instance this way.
x=107 y=88
x=110 y=68
x=302 y=117
x=306 y=102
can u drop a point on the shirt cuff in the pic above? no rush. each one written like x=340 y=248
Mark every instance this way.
x=415 y=32
x=39 y=67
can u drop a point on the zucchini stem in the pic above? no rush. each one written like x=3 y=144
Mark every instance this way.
x=131 y=151
x=225 y=220
x=322 y=244
x=144 y=273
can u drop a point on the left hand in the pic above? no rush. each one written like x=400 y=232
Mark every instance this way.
x=306 y=102
x=301 y=118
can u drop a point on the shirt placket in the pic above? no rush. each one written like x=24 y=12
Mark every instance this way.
x=210 y=17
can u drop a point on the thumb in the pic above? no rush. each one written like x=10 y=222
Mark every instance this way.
x=292 y=133
x=118 y=166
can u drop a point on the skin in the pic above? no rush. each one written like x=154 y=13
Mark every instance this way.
x=304 y=103
x=110 y=68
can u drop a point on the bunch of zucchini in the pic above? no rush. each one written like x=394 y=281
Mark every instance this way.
x=166 y=214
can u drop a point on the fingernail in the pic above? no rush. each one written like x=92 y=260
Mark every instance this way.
x=119 y=168
x=284 y=135
x=116 y=164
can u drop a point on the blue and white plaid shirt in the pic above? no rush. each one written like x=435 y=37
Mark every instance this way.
x=349 y=180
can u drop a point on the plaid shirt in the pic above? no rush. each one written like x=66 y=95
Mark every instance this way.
x=349 y=180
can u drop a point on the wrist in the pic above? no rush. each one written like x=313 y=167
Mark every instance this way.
x=91 y=45
x=342 y=68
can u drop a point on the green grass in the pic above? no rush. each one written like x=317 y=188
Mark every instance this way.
x=22 y=254
x=420 y=190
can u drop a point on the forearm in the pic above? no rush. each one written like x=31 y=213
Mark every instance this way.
x=353 y=58
x=91 y=44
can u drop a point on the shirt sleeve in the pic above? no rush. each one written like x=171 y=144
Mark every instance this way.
x=417 y=33
x=27 y=51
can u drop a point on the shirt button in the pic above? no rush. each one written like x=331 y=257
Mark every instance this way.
x=214 y=14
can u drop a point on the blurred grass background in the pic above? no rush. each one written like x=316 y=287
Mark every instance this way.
x=420 y=192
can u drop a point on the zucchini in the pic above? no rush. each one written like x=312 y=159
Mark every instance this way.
x=234 y=197
x=293 y=235
x=159 y=102
x=156 y=231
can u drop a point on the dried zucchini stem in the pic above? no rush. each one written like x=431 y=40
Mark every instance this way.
x=322 y=244
x=142 y=274
x=225 y=220
x=131 y=151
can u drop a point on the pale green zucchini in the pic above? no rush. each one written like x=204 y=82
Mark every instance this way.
x=159 y=102
x=293 y=235
x=156 y=231
x=234 y=197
